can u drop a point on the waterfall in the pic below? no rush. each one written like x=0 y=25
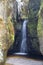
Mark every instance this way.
x=23 y=47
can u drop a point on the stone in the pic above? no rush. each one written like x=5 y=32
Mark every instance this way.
x=6 y=31
x=6 y=38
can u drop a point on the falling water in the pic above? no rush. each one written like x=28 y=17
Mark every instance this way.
x=23 y=47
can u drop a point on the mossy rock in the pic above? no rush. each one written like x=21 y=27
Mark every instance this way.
x=35 y=24
x=40 y=27
x=11 y=31
x=6 y=38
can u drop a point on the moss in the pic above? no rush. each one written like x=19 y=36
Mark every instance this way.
x=11 y=32
x=32 y=26
x=35 y=26
x=39 y=27
x=40 y=22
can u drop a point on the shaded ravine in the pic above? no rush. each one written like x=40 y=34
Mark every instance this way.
x=20 y=46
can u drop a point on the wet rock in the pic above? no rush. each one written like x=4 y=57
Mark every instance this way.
x=35 y=26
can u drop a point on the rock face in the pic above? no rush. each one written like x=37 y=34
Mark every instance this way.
x=6 y=32
x=15 y=10
x=23 y=8
x=6 y=38
x=35 y=25
x=40 y=27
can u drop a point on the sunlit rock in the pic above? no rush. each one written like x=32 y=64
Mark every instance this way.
x=6 y=31
x=6 y=38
